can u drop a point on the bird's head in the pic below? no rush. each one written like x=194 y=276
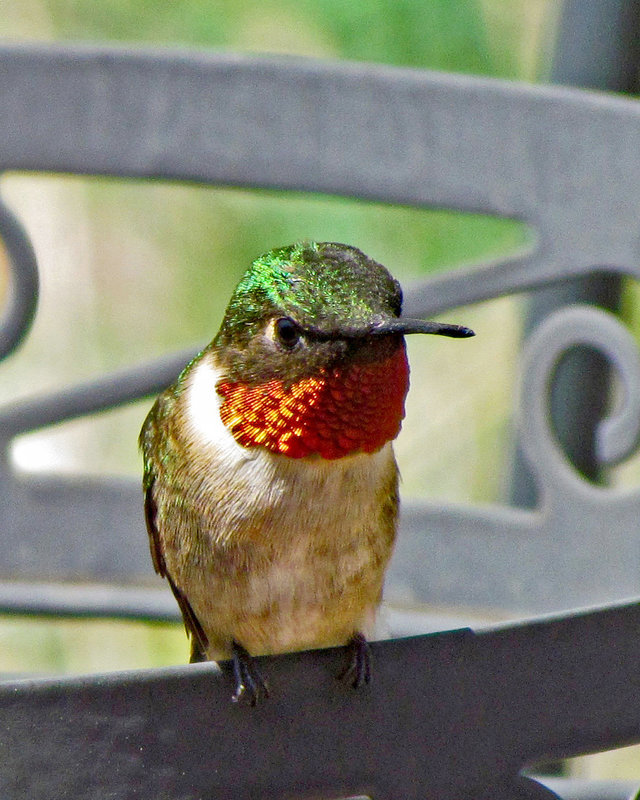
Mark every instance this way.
x=311 y=353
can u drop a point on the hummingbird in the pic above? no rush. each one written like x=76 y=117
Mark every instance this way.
x=270 y=482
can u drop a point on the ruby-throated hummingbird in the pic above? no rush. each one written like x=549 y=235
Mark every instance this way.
x=271 y=487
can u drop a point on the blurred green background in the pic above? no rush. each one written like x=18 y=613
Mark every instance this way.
x=131 y=270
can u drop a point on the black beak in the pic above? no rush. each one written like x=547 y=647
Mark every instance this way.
x=406 y=325
x=400 y=325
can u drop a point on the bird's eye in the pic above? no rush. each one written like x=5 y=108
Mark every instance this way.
x=287 y=332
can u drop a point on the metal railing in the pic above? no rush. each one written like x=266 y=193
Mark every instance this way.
x=452 y=715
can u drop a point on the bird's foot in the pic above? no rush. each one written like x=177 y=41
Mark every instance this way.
x=250 y=684
x=358 y=668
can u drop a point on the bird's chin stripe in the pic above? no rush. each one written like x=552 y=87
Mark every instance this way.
x=203 y=412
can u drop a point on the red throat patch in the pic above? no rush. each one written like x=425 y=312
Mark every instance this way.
x=332 y=414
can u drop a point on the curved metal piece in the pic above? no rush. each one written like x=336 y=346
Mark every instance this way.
x=618 y=434
x=449 y=716
x=22 y=300
x=446 y=714
x=89 y=600
x=557 y=159
x=579 y=546
x=107 y=391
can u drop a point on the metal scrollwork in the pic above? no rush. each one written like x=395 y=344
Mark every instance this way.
x=618 y=434
x=20 y=306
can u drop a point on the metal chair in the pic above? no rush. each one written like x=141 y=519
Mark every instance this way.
x=452 y=715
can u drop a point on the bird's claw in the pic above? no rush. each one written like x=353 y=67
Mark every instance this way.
x=358 y=668
x=250 y=684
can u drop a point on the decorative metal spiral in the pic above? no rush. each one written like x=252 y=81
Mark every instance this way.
x=618 y=434
x=22 y=299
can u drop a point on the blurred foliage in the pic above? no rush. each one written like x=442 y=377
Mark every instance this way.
x=131 y=269
x=45 y=646
x=487 y=37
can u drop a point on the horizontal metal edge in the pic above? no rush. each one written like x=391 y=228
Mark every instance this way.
x=91 y=600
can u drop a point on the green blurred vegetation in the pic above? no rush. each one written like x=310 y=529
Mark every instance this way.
x=487 y=37
x=46 y=646
x=112 y=252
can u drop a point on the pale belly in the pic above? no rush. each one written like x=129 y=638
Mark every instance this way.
x=303 y=598
x=295 y=565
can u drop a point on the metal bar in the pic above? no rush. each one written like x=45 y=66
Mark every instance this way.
x=20 y=307
x=91 y=600
x=335 y=130
x=107 y=391
x=449 y=715
x=559 y=159
x=597 y=47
